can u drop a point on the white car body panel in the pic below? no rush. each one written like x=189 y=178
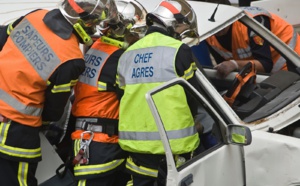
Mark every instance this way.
x=50 y=161
x=211 y=169
x=272 y=160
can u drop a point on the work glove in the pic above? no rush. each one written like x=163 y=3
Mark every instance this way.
x=224 y=68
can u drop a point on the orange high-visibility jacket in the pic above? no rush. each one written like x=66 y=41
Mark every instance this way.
x=91 y=96
x=240 y=40
x=30 y=56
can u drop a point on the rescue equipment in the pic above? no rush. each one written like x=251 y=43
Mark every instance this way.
x=82 y=156
x=109 y=127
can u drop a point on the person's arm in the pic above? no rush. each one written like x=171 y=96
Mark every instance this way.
x=261 y=50
x=4 y=32
x=109 y=70
x=184 y=60
x=120 y=92
x=55 y=98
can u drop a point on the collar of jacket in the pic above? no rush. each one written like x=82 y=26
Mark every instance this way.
x=152 y=29
x=58 y=24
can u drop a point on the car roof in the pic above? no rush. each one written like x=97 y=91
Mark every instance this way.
x=225 y=15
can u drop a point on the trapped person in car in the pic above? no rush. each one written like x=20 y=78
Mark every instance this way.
x=96 y=105
x=40 y=62
x=235 y=45
x=156 y=58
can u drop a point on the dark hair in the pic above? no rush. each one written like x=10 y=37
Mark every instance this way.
x=224 y=2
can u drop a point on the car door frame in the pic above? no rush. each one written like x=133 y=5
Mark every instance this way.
x=209 y=165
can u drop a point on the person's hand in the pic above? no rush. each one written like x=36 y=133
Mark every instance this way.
x=224 y=68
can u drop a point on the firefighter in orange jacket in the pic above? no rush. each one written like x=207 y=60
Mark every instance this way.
x=40 y=62
x=235 y=45
x=99 y=160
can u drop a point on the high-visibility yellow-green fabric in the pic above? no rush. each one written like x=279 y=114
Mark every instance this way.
x=147 y=64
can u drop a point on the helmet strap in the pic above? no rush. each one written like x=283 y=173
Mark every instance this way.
x=159 y=25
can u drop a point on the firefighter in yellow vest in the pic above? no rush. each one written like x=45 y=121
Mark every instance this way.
x=156 y=58
x=98 y=158
x=40 y=62
x=235 y=45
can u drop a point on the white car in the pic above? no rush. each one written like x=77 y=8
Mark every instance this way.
x=273 y=118
x=255 y=145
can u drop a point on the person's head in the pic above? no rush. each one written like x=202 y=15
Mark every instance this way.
x=223 y=32
x=85 y=15
x=132 y=24
x=178 y=18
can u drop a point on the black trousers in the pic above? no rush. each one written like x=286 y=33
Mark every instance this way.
x=13 y=173
x=118 y=178
x=102 y=153
x=151 y=161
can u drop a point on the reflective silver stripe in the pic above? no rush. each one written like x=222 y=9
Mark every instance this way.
x=256 y=11
x=190 y=72
x=244 y=52
x=19 y=152
x=83 y=124
x=281 y=61
x=146 y=136
x=22 y=173
x=3 y=131
x=224 y=54
x=82 y=120
x=81 y=183
x=61 y=88
x=20 y=107
x=94 y=60
x=139 y=170
x=36 y=50
x=13 y=151
x=96 y=169
x=147 y=65
x=101 y=86
x=9 y=28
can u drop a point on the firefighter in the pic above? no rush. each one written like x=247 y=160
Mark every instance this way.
x=235 y=45
x=40 y=62
x=156 y=58
x=98 y=158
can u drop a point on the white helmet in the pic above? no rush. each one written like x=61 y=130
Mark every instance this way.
x=132 y=16
x=178 y=17
x=88 y=13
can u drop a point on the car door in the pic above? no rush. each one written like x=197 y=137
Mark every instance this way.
x=216 y=161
